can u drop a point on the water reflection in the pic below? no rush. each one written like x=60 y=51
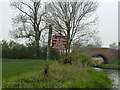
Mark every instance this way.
x=113 y=75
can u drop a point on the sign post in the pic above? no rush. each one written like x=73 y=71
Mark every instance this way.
x=48 y=52
x=59 y=42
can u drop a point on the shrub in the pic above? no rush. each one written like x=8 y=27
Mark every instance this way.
x=54 y=54
x=67 y=59
x=83 y=58
x=78 y=57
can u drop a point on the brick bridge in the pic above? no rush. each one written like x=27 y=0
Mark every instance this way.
x=107 y=54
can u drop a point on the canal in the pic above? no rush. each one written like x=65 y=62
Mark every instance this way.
x=113 y=75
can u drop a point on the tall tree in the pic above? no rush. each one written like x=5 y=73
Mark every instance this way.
x=72 y=18
x=28 y=21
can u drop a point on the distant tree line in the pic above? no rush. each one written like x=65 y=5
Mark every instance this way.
x=13 y=50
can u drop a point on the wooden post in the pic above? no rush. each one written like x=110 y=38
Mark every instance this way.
x=66 y=52
x=48 y=52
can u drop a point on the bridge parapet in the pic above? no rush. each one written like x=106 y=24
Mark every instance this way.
x=107 y=54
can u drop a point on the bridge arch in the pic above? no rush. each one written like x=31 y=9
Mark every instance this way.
x=102 y=56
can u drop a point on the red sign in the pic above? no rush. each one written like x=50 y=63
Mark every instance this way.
x=59 y=42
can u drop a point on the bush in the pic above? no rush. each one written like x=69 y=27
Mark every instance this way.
x=78 y=57
x=54 y=54
x=67 y=59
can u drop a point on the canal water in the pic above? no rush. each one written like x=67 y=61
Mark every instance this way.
x=113 y=75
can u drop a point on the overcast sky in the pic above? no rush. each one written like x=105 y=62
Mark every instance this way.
x=107 y=13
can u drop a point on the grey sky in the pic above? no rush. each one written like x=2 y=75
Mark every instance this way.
x=108 y=22
x=119 y=21
x=107 y=13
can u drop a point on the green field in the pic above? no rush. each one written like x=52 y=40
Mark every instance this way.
x=14 y=67
x=30 y=73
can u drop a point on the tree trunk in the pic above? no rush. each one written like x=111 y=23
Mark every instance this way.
x=37 y=43
x=68 y=42
x=37 y=48
x=66 y=51
x=69 y=49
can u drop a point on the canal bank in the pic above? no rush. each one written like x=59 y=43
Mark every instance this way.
x=113 y=75
x=104 y=67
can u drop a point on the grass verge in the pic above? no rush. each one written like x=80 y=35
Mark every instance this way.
x=61 y=76
x=115 y=64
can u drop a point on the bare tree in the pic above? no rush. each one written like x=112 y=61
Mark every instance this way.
x=97 y=42
x=28 y=21
x=73 y=19
x=113 y=46
x=84 y=41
